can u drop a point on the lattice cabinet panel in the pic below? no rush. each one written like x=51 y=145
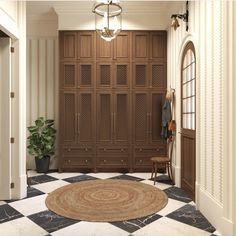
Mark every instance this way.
x=68 y=117
x=104 y=75
x=68 y=75
x=140 y=117
x=121 y=117
x=158 y=75
x=155 y=117
x=122 y=75
x=104 y=117
x=140 y=75
x=86 y=117
x=68 y=45
x=86 y=74
x=86 y=46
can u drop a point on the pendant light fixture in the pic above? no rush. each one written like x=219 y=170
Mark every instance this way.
x=107 y=18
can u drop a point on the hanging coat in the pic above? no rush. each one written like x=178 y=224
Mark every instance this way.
x=166 y=118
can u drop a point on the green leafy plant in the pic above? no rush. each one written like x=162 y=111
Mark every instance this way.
x=42 y=138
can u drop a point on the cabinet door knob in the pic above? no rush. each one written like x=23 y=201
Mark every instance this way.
x=140 y=149
x=157 y=149
x=122 y=149
x=104 y=149
x=68 y=149
x=86 y=161
x=104 y=161
x=140 y=160
x=122 y=161
x=86 y=149
x=68 y=161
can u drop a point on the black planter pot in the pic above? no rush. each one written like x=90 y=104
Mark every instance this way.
x=42 y=165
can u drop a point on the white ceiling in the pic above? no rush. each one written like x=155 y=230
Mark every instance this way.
x=48 y=10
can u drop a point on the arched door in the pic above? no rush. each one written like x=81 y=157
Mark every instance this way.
x=188 y=120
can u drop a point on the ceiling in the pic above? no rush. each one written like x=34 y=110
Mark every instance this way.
x=49 y=10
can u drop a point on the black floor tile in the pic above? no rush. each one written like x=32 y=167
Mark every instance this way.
x=8 y=213
x=79 y=178
x=177 y=194
x=40 y=179
x=136 y=224
x=127 y=177
x=163 y=179
x=189 y=215
x=51 y=221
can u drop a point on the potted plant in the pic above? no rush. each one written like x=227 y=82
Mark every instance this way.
x=42 y=143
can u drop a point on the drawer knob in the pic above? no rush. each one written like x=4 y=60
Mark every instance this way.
x=86 y=161
x=157 y=149
x=122 y=161
x=140 y=149
x=86 y=149
x=140 y=160
x=68 y=149
x=104 y=149
x=104 y=161
x=68 y=161
x=122 y=149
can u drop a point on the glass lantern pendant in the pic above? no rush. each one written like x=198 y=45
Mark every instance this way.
x=107 y=19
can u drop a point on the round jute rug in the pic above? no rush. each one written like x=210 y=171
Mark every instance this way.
x=106 y=200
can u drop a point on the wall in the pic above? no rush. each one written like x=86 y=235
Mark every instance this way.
x=42 y=72
x=12 y=15
x=214 y=176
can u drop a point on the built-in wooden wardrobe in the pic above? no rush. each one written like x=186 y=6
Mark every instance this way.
x=111 y=97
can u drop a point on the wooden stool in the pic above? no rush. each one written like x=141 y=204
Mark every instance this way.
x=164 y=161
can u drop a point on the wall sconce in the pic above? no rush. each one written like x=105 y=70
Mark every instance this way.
x=183 y=17
x=107 y=19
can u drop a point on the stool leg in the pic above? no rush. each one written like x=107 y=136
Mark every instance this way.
x=152 y=169
x=155 y=169
x=171 y=174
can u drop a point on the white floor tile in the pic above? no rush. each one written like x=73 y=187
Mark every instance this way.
x=50 y=186
x=157 y=185
x=169 y=227
x=141 y=175
x=91 y=229
x=2 y=203
x=32 y=173
x=21 y=227
x=171 y=206
x=217 y=233
x=63 y=175
x=104 y=175
x=31 y=205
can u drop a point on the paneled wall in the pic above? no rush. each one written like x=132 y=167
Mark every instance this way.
x=206 y=30
x=42 y=83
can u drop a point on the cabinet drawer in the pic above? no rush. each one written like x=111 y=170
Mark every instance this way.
x=79 y=161
x=142 y=161
x=151 y=151
x=70 y=151
x=112 y=161
x=117 y=150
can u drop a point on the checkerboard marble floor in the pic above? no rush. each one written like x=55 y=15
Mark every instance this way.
x=30 y=216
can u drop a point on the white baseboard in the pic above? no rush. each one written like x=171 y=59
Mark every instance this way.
x=20 y=187
x=213 y=211
x=177 y=175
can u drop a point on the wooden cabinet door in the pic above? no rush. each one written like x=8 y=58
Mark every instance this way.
x=140 y=46
x=86 y=119
x=86 y=46
x=158 y=45
x=104 y=117
x=121 y=118
x=155 y=117
x=140 y=117
x=68 y=45
x=68 y=75
x=122 y=46
x=104 y=49
x=68 y=118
